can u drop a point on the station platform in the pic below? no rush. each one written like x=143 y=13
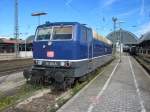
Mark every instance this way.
x=121 y=87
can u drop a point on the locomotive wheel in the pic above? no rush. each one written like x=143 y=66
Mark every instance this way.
x=35 y=80
x=27 y=74
x=63 y=86
x=60 y=86
x=70 y=82
x=59 y=77
x=47 y=78
x=37 y=77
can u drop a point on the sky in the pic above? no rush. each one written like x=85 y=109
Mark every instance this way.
x=97 y=14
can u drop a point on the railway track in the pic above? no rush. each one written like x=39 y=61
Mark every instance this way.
x=46 y=98
x=145 y=62
x=12 y=66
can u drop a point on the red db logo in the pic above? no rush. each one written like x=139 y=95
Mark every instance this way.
x=50 y=54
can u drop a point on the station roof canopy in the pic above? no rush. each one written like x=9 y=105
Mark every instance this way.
x=30 y=38
x=126 y=37
x=144 y=37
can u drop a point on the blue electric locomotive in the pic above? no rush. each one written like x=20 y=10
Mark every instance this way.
x=66 y=51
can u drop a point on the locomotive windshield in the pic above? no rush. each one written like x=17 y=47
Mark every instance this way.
x=44 y=34
x=62 y=33
x=54 y=33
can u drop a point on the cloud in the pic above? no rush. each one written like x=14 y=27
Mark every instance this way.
x=68 y=2
x=128 y=13
x=142 y=9
x=109 y=2
x=144 y=28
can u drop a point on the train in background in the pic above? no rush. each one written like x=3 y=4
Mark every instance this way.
x=142 y=48
x=64 y=52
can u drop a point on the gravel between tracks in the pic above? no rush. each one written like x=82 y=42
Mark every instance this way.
x=41 y=101
x=11 y=81
x=11 y=66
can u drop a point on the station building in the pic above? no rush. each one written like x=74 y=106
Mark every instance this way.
x=8 y=45
x=126 y=38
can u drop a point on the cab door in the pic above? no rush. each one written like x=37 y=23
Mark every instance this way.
x=90 y=44
x=90 y=49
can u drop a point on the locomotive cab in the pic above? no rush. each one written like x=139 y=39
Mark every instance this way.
x=59 y=52
x=52 y=44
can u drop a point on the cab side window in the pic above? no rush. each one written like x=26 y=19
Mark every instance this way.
x=89 y=35
x=84 y=34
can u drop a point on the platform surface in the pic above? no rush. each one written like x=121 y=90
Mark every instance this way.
x=121 y=87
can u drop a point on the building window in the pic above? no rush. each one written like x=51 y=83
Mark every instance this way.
x=144 y=51
x=149 y=51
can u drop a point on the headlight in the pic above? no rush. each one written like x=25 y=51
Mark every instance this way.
x=67 y=64
x=39 y=62
x=62 y=63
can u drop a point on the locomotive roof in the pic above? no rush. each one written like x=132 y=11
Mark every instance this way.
x=58 y=23
x=95 y=34
x=101 y=38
